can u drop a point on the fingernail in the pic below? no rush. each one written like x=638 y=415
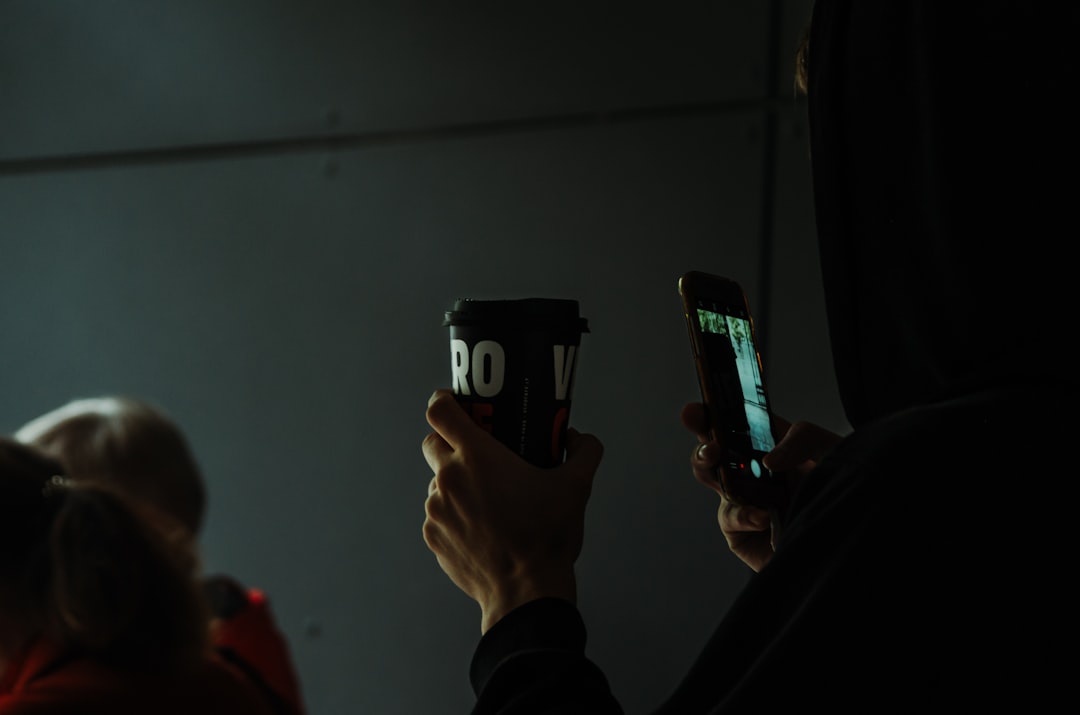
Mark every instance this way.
x=701 y=450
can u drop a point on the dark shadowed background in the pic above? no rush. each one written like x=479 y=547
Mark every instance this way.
x=254 y=215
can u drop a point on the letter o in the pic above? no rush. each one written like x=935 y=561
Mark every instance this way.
x=488 y=368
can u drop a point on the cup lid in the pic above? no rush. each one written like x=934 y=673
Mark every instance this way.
x=519 y=313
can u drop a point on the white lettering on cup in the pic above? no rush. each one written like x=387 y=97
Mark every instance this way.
x=459 y=366
x=564 y=370
x=488 y=367
x=488 y=354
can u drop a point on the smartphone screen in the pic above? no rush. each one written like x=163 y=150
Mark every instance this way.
x=732 y=385
x=725 y=331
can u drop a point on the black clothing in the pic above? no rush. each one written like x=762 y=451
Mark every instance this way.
x=944 y=154
x=944 y=172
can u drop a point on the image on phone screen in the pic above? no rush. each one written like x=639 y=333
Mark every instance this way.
x=727 y=339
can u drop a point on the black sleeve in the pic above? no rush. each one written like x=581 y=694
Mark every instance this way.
x=533 y=662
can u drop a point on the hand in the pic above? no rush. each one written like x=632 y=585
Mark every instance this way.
x=801 y=447
x=749 y=530
x=504 y=531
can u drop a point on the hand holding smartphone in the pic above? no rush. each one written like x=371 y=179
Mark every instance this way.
x=732 y=381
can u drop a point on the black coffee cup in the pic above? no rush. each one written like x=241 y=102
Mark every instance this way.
x=512 y=366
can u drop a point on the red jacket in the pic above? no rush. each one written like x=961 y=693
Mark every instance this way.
x=251 y=640
x=43 y=680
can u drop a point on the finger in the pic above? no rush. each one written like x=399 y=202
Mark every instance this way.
x=432 y=535
x=694 y=418
x=447 y=417
x=584 y=451
x=441 y=521
x=436 y=451
x=432 y=486
x=705 y=455
x=740 y=517
x=703 y=463
x=439 y=511
x=780 y=426
x=803 y=442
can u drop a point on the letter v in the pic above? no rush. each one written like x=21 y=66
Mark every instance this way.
x=564 y=370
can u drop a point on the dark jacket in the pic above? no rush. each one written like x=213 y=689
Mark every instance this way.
x=920 y=568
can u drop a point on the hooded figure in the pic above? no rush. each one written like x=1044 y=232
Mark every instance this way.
x=918 y=569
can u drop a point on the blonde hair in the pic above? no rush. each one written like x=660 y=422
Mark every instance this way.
x=128 y=443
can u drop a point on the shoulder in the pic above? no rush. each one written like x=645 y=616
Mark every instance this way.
x=211 y=688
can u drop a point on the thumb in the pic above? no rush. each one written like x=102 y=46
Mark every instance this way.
x=583 y=451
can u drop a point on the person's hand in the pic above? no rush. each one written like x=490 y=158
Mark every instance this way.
x=504 y=531
x=801 y=446
x=748 y=529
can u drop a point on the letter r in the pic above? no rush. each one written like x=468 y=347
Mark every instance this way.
x=459 y=366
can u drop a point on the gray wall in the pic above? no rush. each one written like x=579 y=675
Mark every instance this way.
x=255 y=213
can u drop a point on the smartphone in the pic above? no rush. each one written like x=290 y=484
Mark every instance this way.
x=732 y=381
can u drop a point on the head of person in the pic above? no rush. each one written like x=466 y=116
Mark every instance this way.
x=84 y=566
x=128 y=443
